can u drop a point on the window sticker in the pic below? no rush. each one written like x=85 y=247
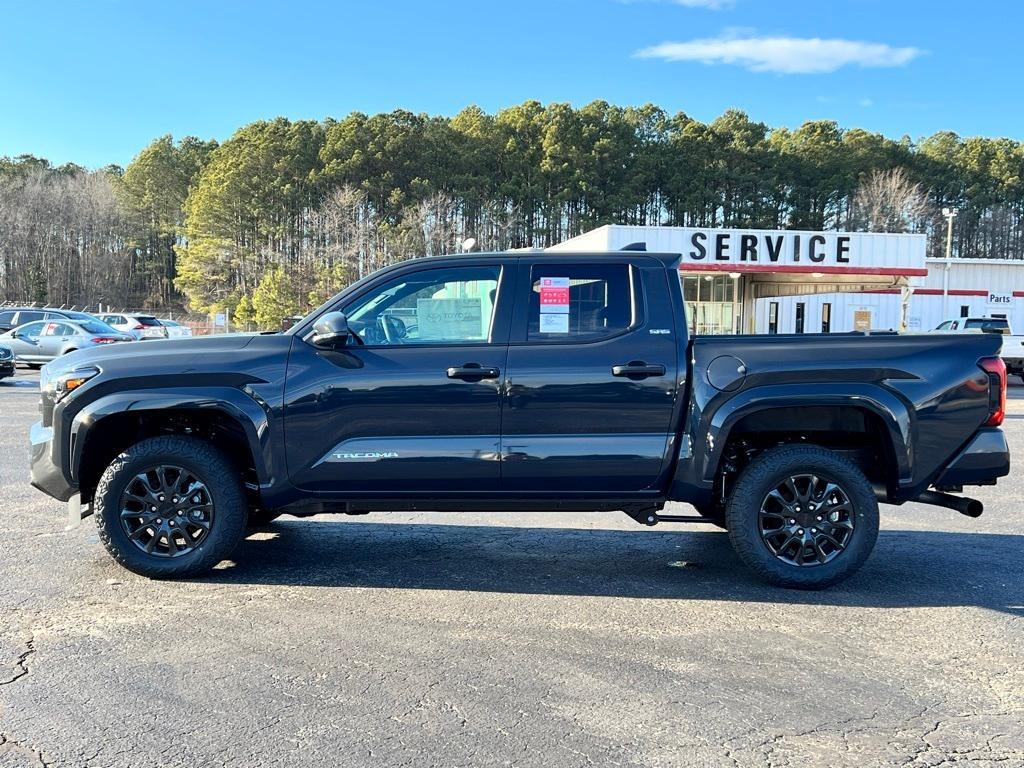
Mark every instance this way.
x=552 y=323
x=554 y=295
x=450 y=319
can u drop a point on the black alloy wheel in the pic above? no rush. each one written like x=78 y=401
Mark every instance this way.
x=166 y=511
x=806 y=520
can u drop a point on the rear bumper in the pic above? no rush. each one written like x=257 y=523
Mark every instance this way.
x=981 y=462
x=46 y=475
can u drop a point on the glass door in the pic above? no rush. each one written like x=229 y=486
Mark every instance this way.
x=711 y=303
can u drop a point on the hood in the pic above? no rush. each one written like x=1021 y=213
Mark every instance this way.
x=159 y=352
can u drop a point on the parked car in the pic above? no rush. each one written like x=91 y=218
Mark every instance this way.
x=521 y=381
x=974 y=325
x=175 y=330
x=12 y=317
x=6 y=362
x=141 y=327
x=40 y=342
x=1013 y=346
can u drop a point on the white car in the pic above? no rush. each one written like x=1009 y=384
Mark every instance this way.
x=175 y=330
x=1013 y=346
x=142 y=327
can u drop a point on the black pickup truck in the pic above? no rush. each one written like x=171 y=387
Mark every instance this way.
x=521 y=381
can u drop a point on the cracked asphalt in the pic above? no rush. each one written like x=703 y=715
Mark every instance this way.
x=500 y=640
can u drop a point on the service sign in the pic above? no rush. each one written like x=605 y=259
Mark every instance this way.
x=783 y=249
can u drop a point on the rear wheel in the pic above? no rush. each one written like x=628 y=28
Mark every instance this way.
x=801 y=516
x=170 y=506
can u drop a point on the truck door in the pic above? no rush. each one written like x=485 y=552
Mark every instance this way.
x=591 y=376
x=415 y=407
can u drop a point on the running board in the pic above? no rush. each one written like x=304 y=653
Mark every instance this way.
x=650 y=516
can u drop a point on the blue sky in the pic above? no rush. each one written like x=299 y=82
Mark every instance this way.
x=93 y=82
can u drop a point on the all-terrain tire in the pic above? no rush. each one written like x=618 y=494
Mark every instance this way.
x=208 y=464
x=763 y=475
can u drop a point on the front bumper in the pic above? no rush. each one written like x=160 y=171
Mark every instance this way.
x=982 y=461
x=6 y=368
x=46 y=475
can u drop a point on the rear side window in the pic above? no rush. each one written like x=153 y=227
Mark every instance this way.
x=29 y=317
x=580 y=302
x=6 y=318
x=994 y=325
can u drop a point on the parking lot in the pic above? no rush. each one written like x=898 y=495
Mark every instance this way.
x=515 y=639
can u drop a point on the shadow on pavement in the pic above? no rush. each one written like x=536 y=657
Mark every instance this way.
x=907 y=568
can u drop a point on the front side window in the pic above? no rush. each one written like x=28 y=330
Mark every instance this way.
x=31 y=331
x=6 y=318
x=579 y=302
x=451 y=305
x=29 y=317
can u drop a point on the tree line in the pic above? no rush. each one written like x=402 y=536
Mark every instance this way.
x=285 y=213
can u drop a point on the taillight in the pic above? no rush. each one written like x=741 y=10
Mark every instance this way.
x=996 y=370
x=103 y=340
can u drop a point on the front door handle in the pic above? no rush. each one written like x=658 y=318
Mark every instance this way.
x=472 y=372
x=637 y=369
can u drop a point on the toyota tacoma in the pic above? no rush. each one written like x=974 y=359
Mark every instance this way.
x=521 y=381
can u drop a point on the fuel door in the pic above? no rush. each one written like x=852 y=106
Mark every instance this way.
x=726 y=373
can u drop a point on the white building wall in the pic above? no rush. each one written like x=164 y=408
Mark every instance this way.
x=926 y=311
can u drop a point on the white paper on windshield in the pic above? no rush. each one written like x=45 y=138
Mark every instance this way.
x=552 y=323
x=450 y=318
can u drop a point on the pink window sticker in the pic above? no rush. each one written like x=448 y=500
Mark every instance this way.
x=554 y=295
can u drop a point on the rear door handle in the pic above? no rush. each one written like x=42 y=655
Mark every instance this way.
x=472 y=372
x=638 y=370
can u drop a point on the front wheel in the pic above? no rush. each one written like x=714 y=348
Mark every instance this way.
x=170 y=506
x=801 y=516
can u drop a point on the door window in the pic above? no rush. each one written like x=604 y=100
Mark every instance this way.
x=773 y=317
x=29 y=317
x=58 y=329
x=580 y=302
x=31 y=331
x=452 y=305
x=6 y=318
x=799 y=317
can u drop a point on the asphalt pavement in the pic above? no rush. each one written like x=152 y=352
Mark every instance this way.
x=507 y=639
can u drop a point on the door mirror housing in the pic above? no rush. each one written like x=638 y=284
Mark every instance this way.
x=331 y=330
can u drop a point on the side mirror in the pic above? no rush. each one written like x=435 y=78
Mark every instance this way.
x=331 y=330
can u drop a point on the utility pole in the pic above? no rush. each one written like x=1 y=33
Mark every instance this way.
x=950 y=214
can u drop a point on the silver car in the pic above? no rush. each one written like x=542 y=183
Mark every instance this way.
x=40 y=342
x=142 y=327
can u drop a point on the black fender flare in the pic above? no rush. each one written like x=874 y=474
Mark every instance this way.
x=710 y=433
x=249 y=413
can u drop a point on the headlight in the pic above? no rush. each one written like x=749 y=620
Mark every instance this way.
x=60 y=386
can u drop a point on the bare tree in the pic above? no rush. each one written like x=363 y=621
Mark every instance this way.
x=888 y=201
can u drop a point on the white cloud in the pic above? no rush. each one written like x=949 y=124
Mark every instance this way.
x=866 y=103
x=787 y=55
